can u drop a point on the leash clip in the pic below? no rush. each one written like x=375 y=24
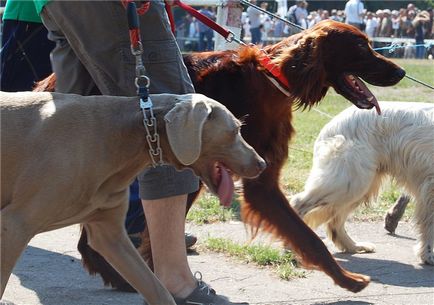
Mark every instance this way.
x=146 y=105
x=232 y=38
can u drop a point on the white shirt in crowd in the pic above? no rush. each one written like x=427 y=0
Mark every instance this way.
x=353 y=10
x=193 y=30
x=267 y=25
x=371 y=26
x=254 y=17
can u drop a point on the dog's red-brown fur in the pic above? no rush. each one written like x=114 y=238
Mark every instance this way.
x=312 y=62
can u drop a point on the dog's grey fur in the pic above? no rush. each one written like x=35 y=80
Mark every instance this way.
x=68 y=159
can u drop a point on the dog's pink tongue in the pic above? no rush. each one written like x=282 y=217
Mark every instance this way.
x=225 y=189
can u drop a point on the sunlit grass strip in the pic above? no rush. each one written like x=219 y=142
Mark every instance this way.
x=207 y=209
x=283 y=262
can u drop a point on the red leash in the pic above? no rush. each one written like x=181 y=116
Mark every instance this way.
x=204 y=19
x=265 y=61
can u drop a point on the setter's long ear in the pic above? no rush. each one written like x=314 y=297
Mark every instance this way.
x=304 y=66
x=184 y=124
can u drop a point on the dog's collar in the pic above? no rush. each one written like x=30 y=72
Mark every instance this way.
x=277 y=78
x=152 y=136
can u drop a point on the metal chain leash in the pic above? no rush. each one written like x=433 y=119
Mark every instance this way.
x=142 y=83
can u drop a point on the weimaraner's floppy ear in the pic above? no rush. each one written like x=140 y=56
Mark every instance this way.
x=184 y=128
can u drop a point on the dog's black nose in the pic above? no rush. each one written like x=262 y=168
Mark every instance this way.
x=262 y=164
x=400 y=73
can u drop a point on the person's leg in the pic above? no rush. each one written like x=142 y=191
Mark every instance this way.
x=163 y=189
x=252 y=35
x=209 y=41
x=201 y=42
x=256 y=35
x=420 y=50
x=164 y=203
x=168 y=243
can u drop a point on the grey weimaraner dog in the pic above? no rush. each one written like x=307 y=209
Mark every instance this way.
x=69 y=159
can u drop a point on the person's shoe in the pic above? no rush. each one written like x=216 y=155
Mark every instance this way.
x=204 y=295
x=190 y=240
x=136 y=239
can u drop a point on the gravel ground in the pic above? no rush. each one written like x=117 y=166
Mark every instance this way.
x=50 y=272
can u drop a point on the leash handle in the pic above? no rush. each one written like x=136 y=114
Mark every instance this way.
x=132 y=16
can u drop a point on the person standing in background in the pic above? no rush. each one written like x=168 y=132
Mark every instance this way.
x=301 y=15
x=206 y=34
x=386 y=24
x=354 y=13
x=419 y=22
x=371 y=25
x=255 y=23
x=396 y=20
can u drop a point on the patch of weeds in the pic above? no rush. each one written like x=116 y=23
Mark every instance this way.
x=207 y=209
x=282 y=262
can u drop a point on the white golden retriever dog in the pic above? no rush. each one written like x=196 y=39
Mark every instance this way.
x=353 y=154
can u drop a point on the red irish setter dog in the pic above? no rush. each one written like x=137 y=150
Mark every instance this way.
x=330 y=54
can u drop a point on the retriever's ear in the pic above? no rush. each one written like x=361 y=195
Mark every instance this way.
x=184 y=125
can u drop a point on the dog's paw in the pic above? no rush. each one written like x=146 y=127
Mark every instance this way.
x=428 y=258
x=425 y=253
x=361 y=247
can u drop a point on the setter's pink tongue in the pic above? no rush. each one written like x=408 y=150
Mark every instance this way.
x=225 y=189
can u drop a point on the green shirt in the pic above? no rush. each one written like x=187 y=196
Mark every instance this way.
x=39 y=4
x=21 y=10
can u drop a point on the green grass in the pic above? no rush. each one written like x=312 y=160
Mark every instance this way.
x=309 y=123
x=207 y=209
x=282 y=262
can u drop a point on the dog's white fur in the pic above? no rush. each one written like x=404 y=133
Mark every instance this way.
x=353 y=154
x=69 y=159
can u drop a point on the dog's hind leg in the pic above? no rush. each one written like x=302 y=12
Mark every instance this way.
x=424 y=216
x=336 y=226
x=14 y=236
x=337 y=233
x=107 y=235
x=395 y=213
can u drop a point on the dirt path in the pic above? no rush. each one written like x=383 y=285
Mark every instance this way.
x=50 y=273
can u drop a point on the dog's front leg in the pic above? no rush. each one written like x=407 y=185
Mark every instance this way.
x=424 y=216
x=107 y=235
x=14 y=236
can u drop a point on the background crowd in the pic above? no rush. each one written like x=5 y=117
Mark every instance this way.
x=406 y=22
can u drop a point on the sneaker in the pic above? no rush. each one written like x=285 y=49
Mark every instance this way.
x=203 y=294
x=136 y=239
x=190 y=240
